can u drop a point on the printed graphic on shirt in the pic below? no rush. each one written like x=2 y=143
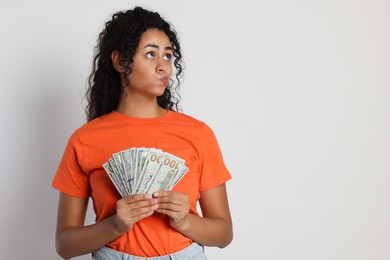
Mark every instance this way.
x=144 y=170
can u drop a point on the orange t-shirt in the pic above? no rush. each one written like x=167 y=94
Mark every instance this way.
x=81 y=174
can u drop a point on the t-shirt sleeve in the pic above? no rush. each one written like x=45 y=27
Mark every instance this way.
x=213 y=171
x=70 y=178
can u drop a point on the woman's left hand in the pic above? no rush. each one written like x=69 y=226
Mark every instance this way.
x=175 y=205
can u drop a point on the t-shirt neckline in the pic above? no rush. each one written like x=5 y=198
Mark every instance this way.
x=163 y=117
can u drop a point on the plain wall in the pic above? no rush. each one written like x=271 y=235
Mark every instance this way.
x=297 y=93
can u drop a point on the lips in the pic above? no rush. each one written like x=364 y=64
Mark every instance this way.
x=164 y=81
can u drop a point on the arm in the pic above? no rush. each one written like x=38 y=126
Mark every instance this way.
x=213 y=229
x=73 y=238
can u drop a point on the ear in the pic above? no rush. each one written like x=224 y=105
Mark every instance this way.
x=116 y=61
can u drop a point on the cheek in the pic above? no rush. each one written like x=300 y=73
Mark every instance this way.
x=169 y=70
x=137 y=75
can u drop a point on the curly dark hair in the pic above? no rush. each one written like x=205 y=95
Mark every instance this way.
x=122 y=33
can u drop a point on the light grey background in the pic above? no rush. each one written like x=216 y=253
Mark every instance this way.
x=297 y=93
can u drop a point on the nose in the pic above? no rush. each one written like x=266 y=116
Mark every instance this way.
x=161 y=69
x=163 y=66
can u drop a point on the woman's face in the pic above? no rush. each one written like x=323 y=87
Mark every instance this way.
x=151 y=69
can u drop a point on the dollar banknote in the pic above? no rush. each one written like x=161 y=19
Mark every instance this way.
x=150 y=167
x=144 y=170
x=107 y=167
x=170 y=167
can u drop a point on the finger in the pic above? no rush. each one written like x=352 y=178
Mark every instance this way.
x=137 y=197
x=169 y=194
x=160 y=194
x=177 y=200
x=168 y=200
x=167 y=212
x=170 y=206
x=142 y=216
x=142 y=203
x=127 y=207
x=141 y=211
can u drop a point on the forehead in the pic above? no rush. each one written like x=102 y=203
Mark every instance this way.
x=154 y=36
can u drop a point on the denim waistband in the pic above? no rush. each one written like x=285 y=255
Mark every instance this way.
x=193 y=252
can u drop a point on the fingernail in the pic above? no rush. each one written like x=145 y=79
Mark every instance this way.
x=154 y=207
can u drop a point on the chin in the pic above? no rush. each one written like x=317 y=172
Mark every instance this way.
x=160 y=92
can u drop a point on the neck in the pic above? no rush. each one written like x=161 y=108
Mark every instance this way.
x=140 y=107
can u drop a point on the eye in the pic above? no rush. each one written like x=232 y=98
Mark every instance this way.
x=167 y=56
x=150 y=55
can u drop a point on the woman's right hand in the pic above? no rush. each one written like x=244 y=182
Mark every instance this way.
x=131 y=209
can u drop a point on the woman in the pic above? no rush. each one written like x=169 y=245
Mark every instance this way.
x=132 y=102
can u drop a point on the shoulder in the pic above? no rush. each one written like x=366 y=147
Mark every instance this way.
x=94 y=126
x=187 y=119
x=98 y=122
x=192 y=124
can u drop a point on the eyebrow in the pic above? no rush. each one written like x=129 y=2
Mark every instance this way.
x=157 y=47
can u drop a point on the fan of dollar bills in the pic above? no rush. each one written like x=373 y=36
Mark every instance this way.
x=144 y=170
